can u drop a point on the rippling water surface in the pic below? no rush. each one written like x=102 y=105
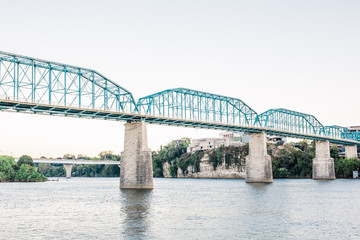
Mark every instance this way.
x=95 y=208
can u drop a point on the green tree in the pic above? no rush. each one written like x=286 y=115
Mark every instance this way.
x=293 y=160
x=334 y=152
x=109 y=155
x=344 y=167
x=25 y=159
x=44 y=168
x=171 y=153
x=111 y=171
x=7 y=171
x=27 y=173
x=216 y=156
x=55 y=170
x=69 y=156
x=173 y=170
x=81 y=156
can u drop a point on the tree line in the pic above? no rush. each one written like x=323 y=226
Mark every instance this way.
x=21 y=171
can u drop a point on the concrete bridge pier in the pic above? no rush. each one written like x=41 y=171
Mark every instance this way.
x=68 y=168
x=258 y=162
x=351 y=151
x=136 y=171
x=323 y=164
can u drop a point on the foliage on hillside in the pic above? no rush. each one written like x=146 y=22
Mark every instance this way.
x=23 y=171
x=177 y=157
x=25 y=159
x=169 y=153
x=344 y=167
x=228 y=155
x=290 y=160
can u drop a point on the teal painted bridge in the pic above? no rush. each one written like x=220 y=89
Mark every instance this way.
x=31 y=85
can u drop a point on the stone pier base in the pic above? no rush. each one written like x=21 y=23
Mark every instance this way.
x=351 y=151
x=258 y=162
x=68 y=168
x=323 y=164
x=136 y=170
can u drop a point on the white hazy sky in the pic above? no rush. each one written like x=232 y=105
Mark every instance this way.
x=302 y=55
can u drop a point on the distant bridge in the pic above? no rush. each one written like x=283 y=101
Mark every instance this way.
x=76 y=162
x=31 y=85
x=69 y=163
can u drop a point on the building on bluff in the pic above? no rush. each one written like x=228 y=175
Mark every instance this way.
x=227 y=139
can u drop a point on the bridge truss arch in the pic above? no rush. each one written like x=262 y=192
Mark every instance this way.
x=337 y=132
x=288 y=120
x=33 y=80
x=187 y=104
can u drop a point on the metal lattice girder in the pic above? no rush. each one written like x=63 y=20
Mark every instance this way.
x=37 y=81
x=289 y=120
x=356 y=136
x=190 y=104
x=337 y=132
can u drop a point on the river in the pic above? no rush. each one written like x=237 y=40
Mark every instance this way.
x=95 y=208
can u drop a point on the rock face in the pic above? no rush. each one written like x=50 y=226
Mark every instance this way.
x=207 y=170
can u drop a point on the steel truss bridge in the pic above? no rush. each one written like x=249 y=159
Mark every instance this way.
x=37 y=86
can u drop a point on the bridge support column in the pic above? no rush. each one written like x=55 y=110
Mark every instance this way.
x=323 y=164
x=136 y=171
x=351 y=151
x=68 y=168
x=258 y=162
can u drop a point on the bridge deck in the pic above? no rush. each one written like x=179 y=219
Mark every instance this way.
x=48 y=109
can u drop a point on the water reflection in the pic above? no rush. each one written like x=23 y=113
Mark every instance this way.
x=259 y=187
x=135 y=207
x=266 y=208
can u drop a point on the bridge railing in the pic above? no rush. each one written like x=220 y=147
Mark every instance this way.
x=57 y=104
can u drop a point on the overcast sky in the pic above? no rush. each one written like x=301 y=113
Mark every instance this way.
x=300 y=55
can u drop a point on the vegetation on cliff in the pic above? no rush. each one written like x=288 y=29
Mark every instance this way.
x=292 y=160
x=288 y=161
x=22 y=171
x=170 y=153
x=228 y=155
x=174 y=153
x=295 y=160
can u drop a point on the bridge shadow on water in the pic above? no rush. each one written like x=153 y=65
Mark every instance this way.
x=135 y=210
